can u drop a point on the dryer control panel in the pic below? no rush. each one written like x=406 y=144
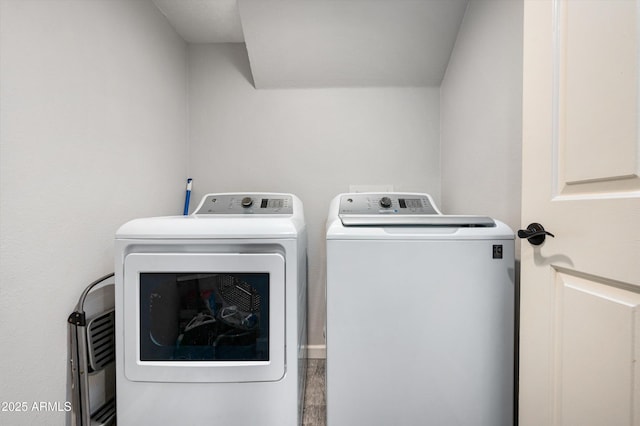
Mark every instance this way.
x=241 y=204
x=395 y=204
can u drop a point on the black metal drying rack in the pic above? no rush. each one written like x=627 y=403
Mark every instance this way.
x=92 y=350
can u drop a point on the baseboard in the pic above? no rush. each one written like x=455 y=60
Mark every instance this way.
x=317 y=351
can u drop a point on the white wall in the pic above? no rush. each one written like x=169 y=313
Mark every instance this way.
x=93 y=132
x=481 y=114
x=311 y=142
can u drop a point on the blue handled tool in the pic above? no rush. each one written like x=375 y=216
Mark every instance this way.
x=187 y=197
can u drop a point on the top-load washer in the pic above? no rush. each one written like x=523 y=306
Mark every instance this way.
x=420 y=314
x=211 y=314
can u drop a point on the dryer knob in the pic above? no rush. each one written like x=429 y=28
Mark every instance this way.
x=385 y=202
x=246 y=202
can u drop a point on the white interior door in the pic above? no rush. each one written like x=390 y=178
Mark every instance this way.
x=580 y=296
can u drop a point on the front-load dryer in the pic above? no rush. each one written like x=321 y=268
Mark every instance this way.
x=211 y=314
x=420 y=314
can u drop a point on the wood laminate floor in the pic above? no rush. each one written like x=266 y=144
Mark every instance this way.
x=315 y=403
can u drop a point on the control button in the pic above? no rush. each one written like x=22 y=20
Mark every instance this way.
x=385 y=202
x=246 y=202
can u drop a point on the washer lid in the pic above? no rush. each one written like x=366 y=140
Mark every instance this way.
x=417 y=220
x=401 y=209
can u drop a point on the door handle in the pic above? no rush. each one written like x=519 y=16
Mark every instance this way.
x=535 y=234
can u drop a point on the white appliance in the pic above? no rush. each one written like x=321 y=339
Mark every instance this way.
x=211 y=314
x=420 y=314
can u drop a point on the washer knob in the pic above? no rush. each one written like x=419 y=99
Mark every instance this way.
x=385 y=202
x=246 y=202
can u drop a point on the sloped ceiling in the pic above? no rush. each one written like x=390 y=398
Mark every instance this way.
x=328 y=43
x=204 y=21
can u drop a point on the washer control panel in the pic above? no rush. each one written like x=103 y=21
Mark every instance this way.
x=385 y=204
x=397 y=209
x=239 y=204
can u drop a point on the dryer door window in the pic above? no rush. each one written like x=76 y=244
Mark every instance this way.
x=204 y=317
